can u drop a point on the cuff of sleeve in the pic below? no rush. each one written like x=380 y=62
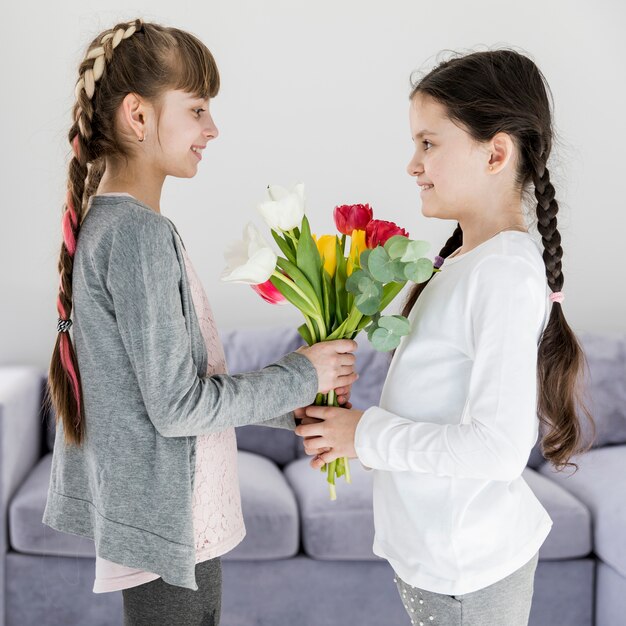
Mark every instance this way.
x=362 y=439
x=307 y=371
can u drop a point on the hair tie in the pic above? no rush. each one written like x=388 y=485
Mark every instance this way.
x=64 y=325
x=438 y=262
x=557 y=296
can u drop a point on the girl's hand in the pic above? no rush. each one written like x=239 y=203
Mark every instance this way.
x=332 y=437
x=334 y=363
x=343 y=396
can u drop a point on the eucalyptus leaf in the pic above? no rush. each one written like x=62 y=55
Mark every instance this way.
x=419 y=271
x=415 y=250
x=352 y=282
x=379 y=265
x=383 y=340
x=396 y=246
x=364 y=259
x=370 y=296
x=396 y=324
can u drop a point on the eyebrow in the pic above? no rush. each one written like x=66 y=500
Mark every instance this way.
x=423 y=132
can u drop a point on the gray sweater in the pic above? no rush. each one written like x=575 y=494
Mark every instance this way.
x=129 y=486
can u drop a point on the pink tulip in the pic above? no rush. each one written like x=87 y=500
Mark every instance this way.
x=378 y=231
x=269 y=293
x=349 y=217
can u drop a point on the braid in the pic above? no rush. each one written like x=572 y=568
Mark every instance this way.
x=84 y=176
x=454 y=242
x=560 y=358
x=547 y=208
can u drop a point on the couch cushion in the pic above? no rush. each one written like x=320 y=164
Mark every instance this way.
x=571 y=534
x=249 y=350
x=27 y=533
x=606 y=397
x=325 y=523
x=599 y=484
x=269 y=509
x=337 y=530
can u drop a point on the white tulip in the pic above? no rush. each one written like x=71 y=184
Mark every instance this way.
x=283 y=210
x=250 y=261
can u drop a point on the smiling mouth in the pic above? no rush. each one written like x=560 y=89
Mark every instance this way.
x=197 y=152
x=426 y=187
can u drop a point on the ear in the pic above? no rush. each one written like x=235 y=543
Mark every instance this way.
x=133 y=112
x=501 y=149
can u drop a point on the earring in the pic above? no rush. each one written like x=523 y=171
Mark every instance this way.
x=140 y=140
x=491 y=167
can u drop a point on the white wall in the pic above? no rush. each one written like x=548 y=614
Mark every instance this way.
x=313 y=92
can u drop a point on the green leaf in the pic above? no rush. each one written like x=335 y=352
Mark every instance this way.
x=285 y=246
x=383 y=340
x=415 y=250
x=364 y=259
x=293 y=296
x=305 y=333
x=396 y=246
x=308 y=258
x=352 y=283
x=301 y=281
x=370 y=296
x=419 y=271
x=328 y=293
x=341 y=295
x=397 y=267
x=379 y=265
x=396 y=324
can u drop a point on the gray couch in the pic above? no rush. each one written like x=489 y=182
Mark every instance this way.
x=306 y=560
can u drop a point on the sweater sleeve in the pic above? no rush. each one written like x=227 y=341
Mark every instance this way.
x=144 y=279
x=499 y=425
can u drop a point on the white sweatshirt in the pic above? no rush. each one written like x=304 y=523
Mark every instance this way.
x=457 y=421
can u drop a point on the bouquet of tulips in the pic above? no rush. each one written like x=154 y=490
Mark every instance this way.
x=338 y=294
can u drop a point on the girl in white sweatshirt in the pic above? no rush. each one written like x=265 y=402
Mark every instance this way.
x=490 y=356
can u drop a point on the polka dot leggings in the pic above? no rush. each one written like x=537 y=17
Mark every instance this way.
x=505 y=603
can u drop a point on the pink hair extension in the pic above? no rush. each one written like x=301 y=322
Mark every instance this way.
x=66 y=361
x=68 y=231
x=76 y=146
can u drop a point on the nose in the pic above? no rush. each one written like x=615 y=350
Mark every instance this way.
x=210 y=130
x=414 y=167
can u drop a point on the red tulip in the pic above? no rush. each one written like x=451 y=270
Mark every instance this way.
x=378 y=231
x=269 y=293
x=349 y=217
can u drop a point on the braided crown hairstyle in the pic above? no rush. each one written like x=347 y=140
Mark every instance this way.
x=504 y=91
x=132 y=57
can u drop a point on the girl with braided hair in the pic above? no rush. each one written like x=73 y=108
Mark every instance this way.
x=489 y=356
x=145 y=457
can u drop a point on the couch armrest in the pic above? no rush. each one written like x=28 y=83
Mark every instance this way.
x=20 y=431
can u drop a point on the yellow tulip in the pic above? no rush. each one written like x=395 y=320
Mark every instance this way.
x=326 y=245
x=357 y=246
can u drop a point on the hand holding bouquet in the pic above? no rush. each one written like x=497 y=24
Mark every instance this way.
x=338 y=294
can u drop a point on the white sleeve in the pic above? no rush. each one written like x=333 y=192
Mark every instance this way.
x=499 y=425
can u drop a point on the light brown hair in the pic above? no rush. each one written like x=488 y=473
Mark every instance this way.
x=132 y=57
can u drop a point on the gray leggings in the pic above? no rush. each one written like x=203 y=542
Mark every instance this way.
x=505 y=603
x=158 y=603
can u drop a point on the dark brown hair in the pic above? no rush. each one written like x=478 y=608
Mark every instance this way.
x=132 y=57
x=485 y=93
